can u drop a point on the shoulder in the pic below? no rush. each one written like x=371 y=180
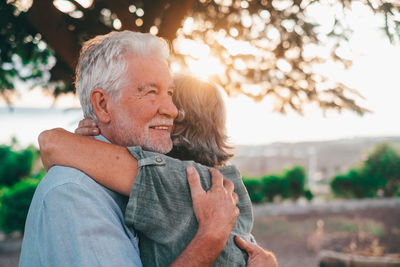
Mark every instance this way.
x=230 y=170
x=149 y=158
x=60 y=176
x=65 y=183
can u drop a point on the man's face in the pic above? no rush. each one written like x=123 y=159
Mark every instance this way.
x=143 y=114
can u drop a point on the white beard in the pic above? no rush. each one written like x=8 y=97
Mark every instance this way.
x=126 y=134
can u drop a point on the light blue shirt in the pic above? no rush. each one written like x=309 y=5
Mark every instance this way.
x=74 y=221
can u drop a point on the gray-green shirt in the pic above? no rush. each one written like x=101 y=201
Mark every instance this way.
x=160 y=209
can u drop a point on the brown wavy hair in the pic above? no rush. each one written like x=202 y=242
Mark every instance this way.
x=200 y=131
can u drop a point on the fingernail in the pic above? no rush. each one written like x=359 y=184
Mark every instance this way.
x=94 y=130
x=190 y=169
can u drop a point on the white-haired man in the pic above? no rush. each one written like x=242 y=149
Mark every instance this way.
x=124 y=84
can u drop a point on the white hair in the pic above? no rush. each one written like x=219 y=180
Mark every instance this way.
x=102 y=63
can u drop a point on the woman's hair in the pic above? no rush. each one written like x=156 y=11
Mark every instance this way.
x=200 y=132
x=103 y=62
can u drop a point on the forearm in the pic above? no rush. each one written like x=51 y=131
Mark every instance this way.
x=110 y=165
x=203 y=250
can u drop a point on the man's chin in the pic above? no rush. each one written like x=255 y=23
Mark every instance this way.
x=159 y=148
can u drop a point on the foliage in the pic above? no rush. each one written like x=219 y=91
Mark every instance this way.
x=23 y=54
x=15 y=204
x=14 y=164
x=380 y=171
x=274 y=185
x=383 y=168
x=289 y=184
x=279 y=38
x=296 y=178
x=353 y=184
x=254 y=188
x=17 y=184
x=308 y=194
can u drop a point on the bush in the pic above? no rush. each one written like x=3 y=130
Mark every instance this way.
x=308 y=194
x=14 y=165
x=296 y=178
x=380 y=171
x=273 y=185
x=341 y=186
x=254 y=187
x=382 y=168
x=15 y=203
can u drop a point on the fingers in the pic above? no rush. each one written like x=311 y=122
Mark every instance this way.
x=236 y=212
x=87 y=127
x=87 y=123
x=196 y=190
x=87 y=131
x=228 y=185
x=235 y=197
x=245 y=245
x=217 y=178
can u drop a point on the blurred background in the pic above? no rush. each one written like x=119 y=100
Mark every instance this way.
x=311 y=90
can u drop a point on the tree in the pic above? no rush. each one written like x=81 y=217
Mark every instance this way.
x=296 y=178
x=274 y=40
x=15 y=164
x=254 y=188
x=383 y=168
x=354 y=184
x=273 y=185
x=15 y=202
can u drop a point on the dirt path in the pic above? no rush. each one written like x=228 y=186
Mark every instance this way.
x=296 y=239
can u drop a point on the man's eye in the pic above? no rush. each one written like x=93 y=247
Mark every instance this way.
x=152 y=91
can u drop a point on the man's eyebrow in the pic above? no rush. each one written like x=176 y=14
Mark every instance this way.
x=149 y=84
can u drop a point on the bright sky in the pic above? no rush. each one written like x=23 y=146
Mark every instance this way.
x=374 y=73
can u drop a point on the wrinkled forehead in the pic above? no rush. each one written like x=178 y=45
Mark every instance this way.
x=148 y=70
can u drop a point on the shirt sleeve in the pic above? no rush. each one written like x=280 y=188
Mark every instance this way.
x=79 y=227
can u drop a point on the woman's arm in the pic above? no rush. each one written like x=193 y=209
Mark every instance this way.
x=110 y=165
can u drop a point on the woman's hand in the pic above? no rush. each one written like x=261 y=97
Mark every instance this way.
x=87 y=127
x=48 y=141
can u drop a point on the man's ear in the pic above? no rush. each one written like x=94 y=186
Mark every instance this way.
x=100 y=102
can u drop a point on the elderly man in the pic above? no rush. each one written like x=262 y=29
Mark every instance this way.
x=124 y=84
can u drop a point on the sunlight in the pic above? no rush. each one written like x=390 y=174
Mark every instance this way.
x=22 y=5
x=85 y=3
x=205 y=67
x=64 y=6
x=192 y=48
x=200 y=62
x=236 y=47
x=188 y=25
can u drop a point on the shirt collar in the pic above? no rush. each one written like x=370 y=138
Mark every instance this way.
x=102 y=138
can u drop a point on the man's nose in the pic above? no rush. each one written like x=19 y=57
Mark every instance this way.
x=168 y=108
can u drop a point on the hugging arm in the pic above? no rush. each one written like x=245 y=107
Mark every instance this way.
x=110 y=165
